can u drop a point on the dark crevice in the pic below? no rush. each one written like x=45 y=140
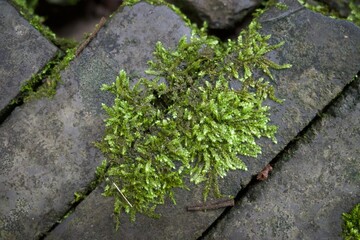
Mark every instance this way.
x=290 y=147
x=72 y=206
x=18 y=100
x=339 y=8
x=6 y=111
x=72 y=21
x=232 y=33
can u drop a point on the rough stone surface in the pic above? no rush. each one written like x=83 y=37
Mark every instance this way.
x=340 y=6
x=321 y=69
x=23 y=52
x=311 y=185
x=46 y=146
x=219 y=14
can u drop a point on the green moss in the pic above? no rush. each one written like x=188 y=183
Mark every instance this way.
x=318 y=7
x=351 y=224
x=30 y=5
x=44 y=83
x=324 y=9
x=199 y=110
x=281 y=6
x=78 y=196
x=355 y=13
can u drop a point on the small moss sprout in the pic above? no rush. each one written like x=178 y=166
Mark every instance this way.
x=351 y=224
x=199 y=110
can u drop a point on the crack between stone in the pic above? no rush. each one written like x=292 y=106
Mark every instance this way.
x=241 y=194
x=89 y=189
x=18 y=100
x=284 y=15
x=278 y=158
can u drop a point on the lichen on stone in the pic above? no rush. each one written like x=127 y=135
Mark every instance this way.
x=186 y=120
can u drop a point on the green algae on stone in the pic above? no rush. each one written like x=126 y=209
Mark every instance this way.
x=318 y=7
x=351 y=225
x=186 y=121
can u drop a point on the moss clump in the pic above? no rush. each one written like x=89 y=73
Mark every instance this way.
x=355 y=13
x=319 y=7
x=30 y=5
x=187 y=120
x=324 y=9
x=49 y=77
x=351 y=225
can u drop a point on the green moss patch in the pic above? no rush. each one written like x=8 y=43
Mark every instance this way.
x=351 y=225
x=44 y=83
x=324 y=9
x=187 y=120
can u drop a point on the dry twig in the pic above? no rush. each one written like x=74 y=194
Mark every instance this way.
x=91 y=36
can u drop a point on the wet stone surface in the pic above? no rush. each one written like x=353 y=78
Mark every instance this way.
x=311 y=185
x=46 y=146
x=321 y=69
x=219 y=14
x=47 y=151
x=23 y=52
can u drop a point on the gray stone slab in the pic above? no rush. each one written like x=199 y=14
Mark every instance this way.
x=322 y=67
x=219 y=14
x=23 y=52
x=46 y=146
x=311 y=185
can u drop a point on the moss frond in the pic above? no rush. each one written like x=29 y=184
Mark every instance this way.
x=186 y=120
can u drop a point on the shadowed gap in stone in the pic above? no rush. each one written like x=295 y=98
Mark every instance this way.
x=291 y=146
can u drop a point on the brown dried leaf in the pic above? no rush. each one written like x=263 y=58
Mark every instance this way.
x=264 y=174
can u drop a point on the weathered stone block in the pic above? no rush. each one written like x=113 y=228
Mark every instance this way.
x=23 y=52
x=219 y=14
x=311 y=186
x=325 y=55
x=46 y=146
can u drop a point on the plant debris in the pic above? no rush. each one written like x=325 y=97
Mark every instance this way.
x=264 y=174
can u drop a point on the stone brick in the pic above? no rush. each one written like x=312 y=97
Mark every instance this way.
x=23 y=52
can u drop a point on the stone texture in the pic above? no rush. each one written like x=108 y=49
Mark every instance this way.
x=219 y=14
x=311 y=186
x=23 y=52
x=323 y=64
x=46 y=146
x=340 y=6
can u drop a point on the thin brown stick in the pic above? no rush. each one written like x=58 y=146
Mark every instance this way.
x=222 y=203
x=91 y=36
